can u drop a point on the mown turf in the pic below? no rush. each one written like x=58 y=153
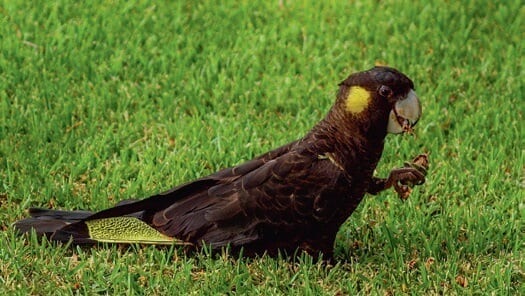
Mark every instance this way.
x=106 y=100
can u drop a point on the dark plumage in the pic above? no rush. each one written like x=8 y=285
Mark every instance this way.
x=294 y=197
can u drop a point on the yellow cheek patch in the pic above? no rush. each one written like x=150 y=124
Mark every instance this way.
x=357 y=100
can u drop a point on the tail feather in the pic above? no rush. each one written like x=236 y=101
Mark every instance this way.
x=43 y=227
x=58 y=214
x=127 y=222
x=46 y=222
x=75 y=227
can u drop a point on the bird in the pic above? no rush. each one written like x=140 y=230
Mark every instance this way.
x=293 y=198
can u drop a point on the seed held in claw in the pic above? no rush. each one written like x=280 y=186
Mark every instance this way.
x=421 y=160
x=421 y=163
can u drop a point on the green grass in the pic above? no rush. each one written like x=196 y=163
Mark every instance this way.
x=109 y=100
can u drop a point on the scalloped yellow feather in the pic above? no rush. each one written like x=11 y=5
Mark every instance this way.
x=127 y=230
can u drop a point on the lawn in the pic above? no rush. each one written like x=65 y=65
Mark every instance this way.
x=106 y=100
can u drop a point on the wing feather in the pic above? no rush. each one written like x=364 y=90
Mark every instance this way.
x=234 y=205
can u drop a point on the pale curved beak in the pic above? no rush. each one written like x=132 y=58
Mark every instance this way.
x=405 y=114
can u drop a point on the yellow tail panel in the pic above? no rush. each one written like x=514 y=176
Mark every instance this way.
x=127 y=230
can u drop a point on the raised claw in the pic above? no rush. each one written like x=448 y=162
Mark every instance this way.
x=413 y=173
